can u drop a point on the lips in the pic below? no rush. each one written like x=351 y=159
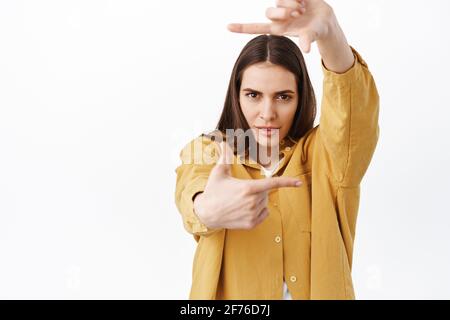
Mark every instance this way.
x=267 y=131
x=268 y=127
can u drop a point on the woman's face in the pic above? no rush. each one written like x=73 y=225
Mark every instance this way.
x=268 y=98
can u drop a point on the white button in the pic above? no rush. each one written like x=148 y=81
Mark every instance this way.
x=277 y=239
x=287 y=149
x=293 y=278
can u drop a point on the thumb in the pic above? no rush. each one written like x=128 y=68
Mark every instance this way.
x=305 y=40
x=225 y=159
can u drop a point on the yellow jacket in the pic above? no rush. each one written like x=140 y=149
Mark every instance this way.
x=308 y=237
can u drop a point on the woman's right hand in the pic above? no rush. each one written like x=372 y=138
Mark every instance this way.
x=232 y=203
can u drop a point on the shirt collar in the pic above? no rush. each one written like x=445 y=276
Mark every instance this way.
x=287 y=146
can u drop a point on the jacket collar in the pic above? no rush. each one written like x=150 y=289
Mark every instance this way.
x=287 y=146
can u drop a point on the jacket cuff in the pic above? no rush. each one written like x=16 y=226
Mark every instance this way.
x=192 y=221
x=348 y=76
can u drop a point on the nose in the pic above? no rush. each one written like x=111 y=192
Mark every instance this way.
x=267 y=111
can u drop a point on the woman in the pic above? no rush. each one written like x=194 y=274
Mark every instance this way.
x=289 y=236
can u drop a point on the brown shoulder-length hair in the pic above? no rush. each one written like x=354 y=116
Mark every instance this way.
x=281 y=51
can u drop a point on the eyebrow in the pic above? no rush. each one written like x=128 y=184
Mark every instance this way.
x=279 y=92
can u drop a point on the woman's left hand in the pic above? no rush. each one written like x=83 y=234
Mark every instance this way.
x=310 y=20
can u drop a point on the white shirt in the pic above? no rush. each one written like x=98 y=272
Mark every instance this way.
x=269 y=173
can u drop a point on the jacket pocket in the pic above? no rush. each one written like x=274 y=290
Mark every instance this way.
x=306 y=178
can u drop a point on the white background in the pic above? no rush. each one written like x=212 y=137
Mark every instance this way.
x=98 y=97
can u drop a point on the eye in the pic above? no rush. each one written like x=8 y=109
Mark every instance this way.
x=285 y=95
x=248 y=94
x=253 y=95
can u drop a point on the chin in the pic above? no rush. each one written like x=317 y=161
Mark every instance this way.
x=265 y=141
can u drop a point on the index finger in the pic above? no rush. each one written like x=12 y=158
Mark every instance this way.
x=252 y=28
x=267 y=184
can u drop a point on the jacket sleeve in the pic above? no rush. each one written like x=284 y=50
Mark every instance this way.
x=197 y=160
x=348 y=126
